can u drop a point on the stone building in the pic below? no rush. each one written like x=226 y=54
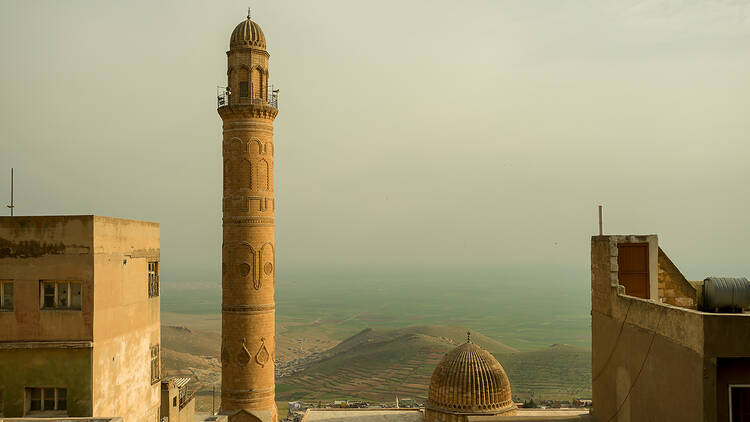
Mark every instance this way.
x=655 y=354
x=79 y=321
x=468 y=381
x=248 y=345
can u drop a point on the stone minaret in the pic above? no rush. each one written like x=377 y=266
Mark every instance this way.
x=248 y=266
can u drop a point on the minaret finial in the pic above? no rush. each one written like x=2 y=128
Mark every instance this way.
x=468 y=336
x=249 y=13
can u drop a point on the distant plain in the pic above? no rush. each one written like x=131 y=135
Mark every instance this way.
x=509 y=307
x=538 y=329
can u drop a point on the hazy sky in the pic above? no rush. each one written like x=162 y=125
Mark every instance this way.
x=426 y=134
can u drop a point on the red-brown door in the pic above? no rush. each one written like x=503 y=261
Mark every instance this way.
x=632 y=262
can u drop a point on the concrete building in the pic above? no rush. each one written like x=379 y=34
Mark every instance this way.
x=655 y=355
x=248 y=345
x=79 y=321
x=177 y=404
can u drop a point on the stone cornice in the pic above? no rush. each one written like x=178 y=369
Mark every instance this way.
x=253 y=50
x=246 y=111
x=82 y=344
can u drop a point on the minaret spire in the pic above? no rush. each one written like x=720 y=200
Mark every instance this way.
x=248 y=339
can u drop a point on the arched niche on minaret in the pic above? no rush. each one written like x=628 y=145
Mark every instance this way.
x=245 y=174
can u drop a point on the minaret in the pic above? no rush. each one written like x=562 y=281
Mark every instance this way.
x=248 y=267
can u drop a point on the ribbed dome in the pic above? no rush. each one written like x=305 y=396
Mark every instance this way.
x=469 y=380
x=247 y=34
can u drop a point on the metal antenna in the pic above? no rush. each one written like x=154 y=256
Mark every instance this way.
x=11 y=206
x=601 y=222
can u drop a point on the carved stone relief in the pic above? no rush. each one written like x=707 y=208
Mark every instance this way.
x=262 y=356
x=243 y=357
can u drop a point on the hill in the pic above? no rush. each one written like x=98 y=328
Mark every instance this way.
x=450 y=334
x=560 y=372
x=377 y=364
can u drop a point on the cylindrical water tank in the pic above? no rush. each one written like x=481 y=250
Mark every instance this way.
x=726 y=293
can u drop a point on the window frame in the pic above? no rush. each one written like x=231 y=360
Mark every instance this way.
x=55 y=411
x=731 y=417
x=155 y=359
x=3 y=298
x=154 y=286
x=56 y=297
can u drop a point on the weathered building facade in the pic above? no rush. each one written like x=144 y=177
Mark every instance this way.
x=248 y=110
x=655 y=356
x=177 y=401
x=79 y=331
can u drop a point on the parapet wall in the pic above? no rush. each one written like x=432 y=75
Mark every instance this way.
x=652 y=360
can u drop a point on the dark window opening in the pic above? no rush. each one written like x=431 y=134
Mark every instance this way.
x=244 y=89
x=153 y=279
x=61 y=295
x=6 y=298
x=155 y=365
x=47 y=399
x=740 y=398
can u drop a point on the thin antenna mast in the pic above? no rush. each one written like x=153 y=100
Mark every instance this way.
x=12 y=205
x=601 y=222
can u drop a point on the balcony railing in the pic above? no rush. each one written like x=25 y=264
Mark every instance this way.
x=223 y=97
x=185 y=397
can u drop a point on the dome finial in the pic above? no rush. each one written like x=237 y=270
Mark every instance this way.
x=468 y=336
x=249 y=13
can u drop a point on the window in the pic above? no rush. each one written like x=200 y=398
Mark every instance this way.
x=155 y=365
x=1 y=403
x=153 y=279
x=6 y=298
x=739 y=396
x=61 y=294
x=174 y=401
x=47 y=399
x=244 y=89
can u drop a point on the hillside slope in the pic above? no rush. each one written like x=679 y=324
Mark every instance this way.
x=377 y=364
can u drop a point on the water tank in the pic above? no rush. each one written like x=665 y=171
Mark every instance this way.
x=725 y=293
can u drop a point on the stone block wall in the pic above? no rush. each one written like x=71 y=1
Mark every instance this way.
x=674 y=289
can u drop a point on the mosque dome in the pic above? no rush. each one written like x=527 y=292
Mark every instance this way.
x=247 y=34
x=469 y=380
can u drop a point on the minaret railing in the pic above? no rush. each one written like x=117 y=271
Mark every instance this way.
x=223 y=95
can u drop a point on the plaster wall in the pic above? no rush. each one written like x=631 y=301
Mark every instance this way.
x=68 y=368
x=126 y=322
x=652 y=360
x=46 y=248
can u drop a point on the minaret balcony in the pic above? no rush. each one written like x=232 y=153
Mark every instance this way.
x=225 y=97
